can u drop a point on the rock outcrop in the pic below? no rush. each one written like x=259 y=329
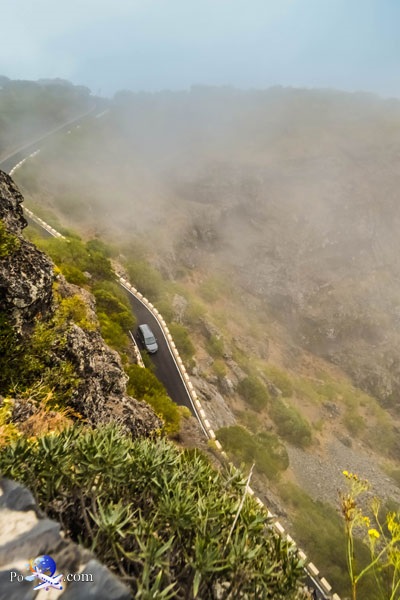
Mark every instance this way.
x=26 y=533
x=26 y=276
x=26 y=295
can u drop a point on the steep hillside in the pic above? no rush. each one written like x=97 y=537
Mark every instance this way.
x=292 y=193
x=162 y=519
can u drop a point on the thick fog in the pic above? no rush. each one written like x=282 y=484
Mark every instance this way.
x=157 y=44
x=292 y=195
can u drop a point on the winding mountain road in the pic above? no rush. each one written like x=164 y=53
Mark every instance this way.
x=165 y=366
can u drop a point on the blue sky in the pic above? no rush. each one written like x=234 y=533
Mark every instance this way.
x=172 y=44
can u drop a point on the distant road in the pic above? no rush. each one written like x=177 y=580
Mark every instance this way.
x=9 y=161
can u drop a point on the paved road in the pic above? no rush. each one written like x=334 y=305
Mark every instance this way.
x=166 y=368
x=7 y=163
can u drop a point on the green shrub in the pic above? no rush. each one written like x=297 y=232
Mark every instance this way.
x=215 y=346
x=280 y=380
x=290 y=423
x=10 y=353
x=99 y=266
x=74 y=308
x=24 y=362
x=182 y=340
x=194 y=313
x=210 y=289
x=100 y=247
x=381 y=435
x=74 y=253
x=160 y=518
x=9 y=243
x=118 y=312
x=353 y=421
x=319 y=530
x=165 y=309
x=265 y=449
x=144 y=385
x=254 y=392
x=219 y=368
x=113 y=333
x=145 y=278
x=73 y=274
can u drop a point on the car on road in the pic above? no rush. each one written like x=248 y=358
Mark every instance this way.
x=147 y=338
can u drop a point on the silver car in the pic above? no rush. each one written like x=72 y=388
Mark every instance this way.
x=147 y=338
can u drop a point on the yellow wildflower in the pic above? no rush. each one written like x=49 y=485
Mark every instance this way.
x=373 y=533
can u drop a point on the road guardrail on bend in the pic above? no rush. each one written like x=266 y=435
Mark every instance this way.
x=319 y=583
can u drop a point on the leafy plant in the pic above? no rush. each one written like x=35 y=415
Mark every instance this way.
x=163 y=519
x=290 y=423
x=264 y=449
x=254 y=392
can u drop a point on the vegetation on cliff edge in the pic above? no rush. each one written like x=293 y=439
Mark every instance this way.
x=164 y=520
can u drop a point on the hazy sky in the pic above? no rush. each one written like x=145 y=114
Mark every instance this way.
x=172 y=44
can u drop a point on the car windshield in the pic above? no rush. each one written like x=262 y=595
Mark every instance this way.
x=150 y=340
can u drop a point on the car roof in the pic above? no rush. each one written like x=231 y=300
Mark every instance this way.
x=145 y=329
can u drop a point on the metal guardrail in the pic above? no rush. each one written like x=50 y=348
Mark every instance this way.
x=136 y=351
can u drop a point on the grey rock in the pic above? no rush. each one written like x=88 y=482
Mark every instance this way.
x=179 y=304
x=32 y=542
x=26 y=275
x=217 y=409
x=10 y=206
x=105 y=586
x=227 y=385
x=15 y=590
x=42 y=536
x=16 y=497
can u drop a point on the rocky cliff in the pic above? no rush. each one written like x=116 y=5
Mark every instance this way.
x=26 y=275
x=97 y=382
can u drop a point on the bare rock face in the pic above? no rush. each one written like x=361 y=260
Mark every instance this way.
x=101 y=396
x=218 y=412
x=10 y=207
x=26 y=275
x=26 y=533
